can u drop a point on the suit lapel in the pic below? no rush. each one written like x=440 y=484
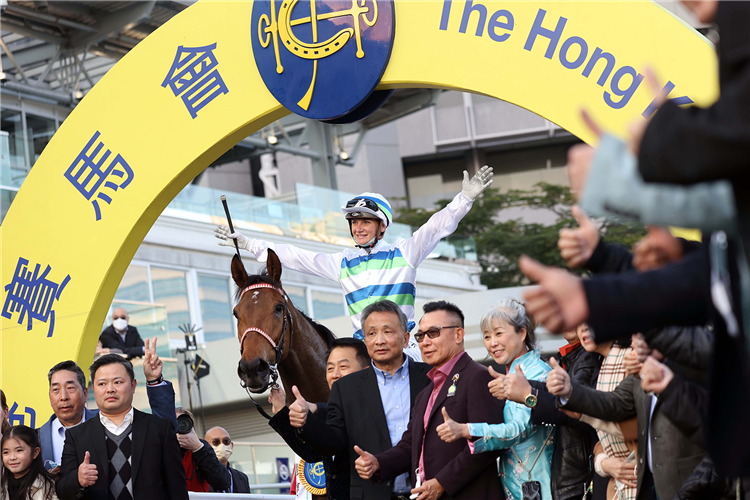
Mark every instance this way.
x=371 y=392
x=416 y=372
x=139 y=437
x=443 y=394
x=100 y=450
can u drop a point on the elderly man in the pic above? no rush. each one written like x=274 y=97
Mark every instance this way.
x=223 y=446
x=67 y=397
x=369 y=408
x=458 y=385
x=123 y=336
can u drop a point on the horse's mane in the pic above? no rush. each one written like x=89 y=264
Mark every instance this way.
x=263 y=277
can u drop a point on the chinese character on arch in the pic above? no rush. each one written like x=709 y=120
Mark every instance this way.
x=194 y=75
x=87 y=174
x=32 y=294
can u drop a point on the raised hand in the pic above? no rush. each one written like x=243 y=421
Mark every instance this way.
x=655 y=376
x=451 y=430
x=497 y=385
x=657 y=249
x=152 y=364
x=298 y=410
x=577 y=245
x=481 y=181
x=516 y=386
x=227 y=237
x=87 y=473
x=366 y=465
x=558 y=380
x=277 y=398
x=429 y=490
x=559 y=302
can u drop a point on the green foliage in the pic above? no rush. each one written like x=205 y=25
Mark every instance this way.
x=501 y=243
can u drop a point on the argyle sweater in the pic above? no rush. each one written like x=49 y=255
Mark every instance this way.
x=119 y=449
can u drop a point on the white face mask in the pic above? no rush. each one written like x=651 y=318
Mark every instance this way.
x=120 y=324
x=223 y=452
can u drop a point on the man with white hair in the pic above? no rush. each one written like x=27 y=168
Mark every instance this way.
x=374 y=270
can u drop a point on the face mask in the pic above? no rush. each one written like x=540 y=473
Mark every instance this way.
x=223 y=452
x=120 y=324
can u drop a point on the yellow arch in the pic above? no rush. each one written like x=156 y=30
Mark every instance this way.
x=52 y=223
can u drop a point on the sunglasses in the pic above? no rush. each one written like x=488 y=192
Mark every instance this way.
x=216 y=442
x=433 y=333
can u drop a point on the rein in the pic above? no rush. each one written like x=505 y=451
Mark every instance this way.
x=277 y=347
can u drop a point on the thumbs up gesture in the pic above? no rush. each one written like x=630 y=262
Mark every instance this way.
x=87 y=473
x=366 y=465
x=516 y=386
x=451 y=430
x=497 y=385
x=558 y=380
x=577 y=244
x=298 y=410
x=559 y=302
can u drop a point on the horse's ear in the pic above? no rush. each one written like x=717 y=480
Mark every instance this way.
x=239 y=274
x=273 y=265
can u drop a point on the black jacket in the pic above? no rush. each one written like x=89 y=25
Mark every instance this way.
x=572 y=466
x=240 y=482
x=209 y=467
x=356 y=416
x=336 y=466
x=133 y=345
x=157 y=472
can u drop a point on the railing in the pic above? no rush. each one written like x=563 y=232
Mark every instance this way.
x=236 y=496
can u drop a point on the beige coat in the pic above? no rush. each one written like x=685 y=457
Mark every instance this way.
x=37 y=491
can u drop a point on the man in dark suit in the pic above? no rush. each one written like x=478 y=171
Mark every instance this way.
x=347 y=355
x=67 y=397
x=458 y=385
x=122 y=336
x=223 y=446
x=369 y=408
x=123 y=453
x=663 y=467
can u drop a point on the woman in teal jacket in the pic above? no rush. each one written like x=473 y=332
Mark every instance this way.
x=510 y=340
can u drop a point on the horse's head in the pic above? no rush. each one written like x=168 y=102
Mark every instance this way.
x=263 y=322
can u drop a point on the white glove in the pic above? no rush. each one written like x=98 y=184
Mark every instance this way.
x=222 y=232
x=481 y=181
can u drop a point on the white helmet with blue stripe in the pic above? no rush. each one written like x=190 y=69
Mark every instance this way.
x=369 y=206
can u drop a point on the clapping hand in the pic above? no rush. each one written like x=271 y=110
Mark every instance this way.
x=451 y=430
x=558 y=380
x=152 y=364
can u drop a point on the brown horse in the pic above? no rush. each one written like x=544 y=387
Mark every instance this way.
x=274 y=335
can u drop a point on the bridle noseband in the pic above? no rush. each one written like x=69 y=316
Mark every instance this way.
x=277 y=347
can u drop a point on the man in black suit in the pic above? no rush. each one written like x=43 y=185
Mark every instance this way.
x=123 y=336
x=123 y=453
x=458 y=385
x=347 y=355
x=369 y=408
x=223 y=446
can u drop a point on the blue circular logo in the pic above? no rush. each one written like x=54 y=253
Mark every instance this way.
x=315 y=475
x=321 y=59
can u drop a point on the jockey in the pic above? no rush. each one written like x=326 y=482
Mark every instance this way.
x=375 y=269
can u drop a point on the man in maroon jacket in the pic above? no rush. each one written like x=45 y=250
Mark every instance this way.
x=459 y=385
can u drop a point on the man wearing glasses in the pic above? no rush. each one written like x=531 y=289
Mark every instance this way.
x=374 y=270
x=458 y=390
x=370 y=408
x=222 y=444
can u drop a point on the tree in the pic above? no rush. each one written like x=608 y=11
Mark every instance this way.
x=500 y=243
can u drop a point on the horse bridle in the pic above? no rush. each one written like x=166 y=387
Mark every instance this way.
x=277 y=347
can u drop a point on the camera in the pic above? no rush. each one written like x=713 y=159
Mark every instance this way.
x=185 y=424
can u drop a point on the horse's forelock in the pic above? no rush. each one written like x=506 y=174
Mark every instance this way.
x=254 y=279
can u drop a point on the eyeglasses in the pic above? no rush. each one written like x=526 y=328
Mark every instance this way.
x=433 y=333
x=217 y=442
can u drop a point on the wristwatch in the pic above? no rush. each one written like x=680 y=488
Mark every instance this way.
x=531 y=399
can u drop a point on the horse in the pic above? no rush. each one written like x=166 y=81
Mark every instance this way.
x=276 y=339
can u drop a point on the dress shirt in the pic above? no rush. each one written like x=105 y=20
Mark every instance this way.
x=395 y=394
x=438 y=377
x=58 y=437
x=123 y=334
x=117 y=429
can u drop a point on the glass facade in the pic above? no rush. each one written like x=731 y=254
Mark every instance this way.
x=216 y=307
x=170 y=288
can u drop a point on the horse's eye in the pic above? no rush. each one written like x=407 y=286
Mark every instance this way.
x=234 y=313
x=279 y=309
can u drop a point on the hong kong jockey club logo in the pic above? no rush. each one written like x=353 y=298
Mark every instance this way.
x=322 y=58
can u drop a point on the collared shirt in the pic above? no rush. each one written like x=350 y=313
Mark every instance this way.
x=123 y=335
x=117 y=429
x=395 y=394
x=58 y=437
x=438 y=377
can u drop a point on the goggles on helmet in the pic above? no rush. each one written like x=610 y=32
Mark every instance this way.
x=370 y=209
